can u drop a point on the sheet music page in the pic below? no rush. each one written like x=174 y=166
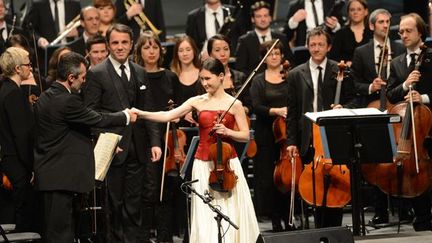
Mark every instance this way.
x=313 y=116
x=104 y=153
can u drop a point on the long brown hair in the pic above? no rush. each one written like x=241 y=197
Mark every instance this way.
x=175 y=63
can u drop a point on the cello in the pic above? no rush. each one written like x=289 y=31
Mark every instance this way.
x=409 y=174
x=322 y=183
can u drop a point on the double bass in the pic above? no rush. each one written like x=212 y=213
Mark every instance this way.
x=411 y=171
x=322 y=183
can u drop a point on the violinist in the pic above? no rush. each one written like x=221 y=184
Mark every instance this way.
x=406 y=71
x=367 y=81
x=149 y=54
x=237 y=203
x=269 y=101
x=312 y=88
x=16 y=135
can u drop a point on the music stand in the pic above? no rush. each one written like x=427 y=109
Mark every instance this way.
x=354 y=140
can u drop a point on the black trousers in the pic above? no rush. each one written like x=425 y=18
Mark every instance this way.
x=124 y=183
x=58 y=217
x=24 y=197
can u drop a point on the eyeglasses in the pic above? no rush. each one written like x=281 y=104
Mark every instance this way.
x=26 y=64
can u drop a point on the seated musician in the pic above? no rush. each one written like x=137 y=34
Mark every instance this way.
x=90 y=21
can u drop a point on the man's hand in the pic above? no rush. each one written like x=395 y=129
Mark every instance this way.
x=376 y=84
x=156 y=153
x=416 y=96
x=133 y=10
x=331 y=22
x=42 y=42
x=338 y=106
x=133 y=115
x=118 y=150
x=73 y=33
x=299 y=16
x=292 y=151
x=413 y=77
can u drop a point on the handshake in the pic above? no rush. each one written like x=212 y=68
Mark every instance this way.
x=133 y=114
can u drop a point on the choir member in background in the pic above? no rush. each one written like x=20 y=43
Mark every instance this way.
x=107 y=13
x=96 y=49
x=352 y=35
x=52 y=64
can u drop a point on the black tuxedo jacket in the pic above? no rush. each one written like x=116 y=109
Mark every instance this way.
x=64 y=158
x=300 y=32
x=105 y=92
x=399 y=72
x=363 y=69
x=153 y=11
x=248 y=51
x=300 y=101
x=195 y=26
x=41 y=17
x=16 y=119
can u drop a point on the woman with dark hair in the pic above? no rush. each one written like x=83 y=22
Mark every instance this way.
x=149 y=54
x=269 y=100
x=218 y=47
x=107 y=13
x=236 y=203
x=52 y=63
x=355 y=34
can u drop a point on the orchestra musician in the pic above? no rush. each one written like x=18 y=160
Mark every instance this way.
x=367 y=82
x=412 y=30
x=149 y=54
x=107 y=12
x=269 y=100
x=96 y=50
x=52 y=64
x=113 y=85
x=16 y=136
x=306 y=95
x=237 y=203
x=90 y=22
x=151 y=8
x=64 y=161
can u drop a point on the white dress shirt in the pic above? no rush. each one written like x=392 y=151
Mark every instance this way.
x=116 y=65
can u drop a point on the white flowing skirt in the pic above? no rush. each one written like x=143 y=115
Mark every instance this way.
x=237 y=205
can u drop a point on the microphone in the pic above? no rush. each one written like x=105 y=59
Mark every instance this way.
x=208 y=196
x=189 y=182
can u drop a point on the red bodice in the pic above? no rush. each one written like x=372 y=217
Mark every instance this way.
x=206 y=120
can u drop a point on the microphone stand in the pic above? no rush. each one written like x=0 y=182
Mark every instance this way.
x=219 y=215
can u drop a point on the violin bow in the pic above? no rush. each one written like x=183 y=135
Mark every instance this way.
x=251 y=75
x=164 y=162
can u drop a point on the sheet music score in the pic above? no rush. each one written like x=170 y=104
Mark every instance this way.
x=104 y=153
x=313 y=116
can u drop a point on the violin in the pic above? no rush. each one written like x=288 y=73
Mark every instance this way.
x=339 y=78
x=409 y=174
x=222 y=178
x=283 y=173
x=6 y=184
x=175 y=146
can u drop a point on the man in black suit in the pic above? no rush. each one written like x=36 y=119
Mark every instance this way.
x=206 y=21
x=367 y=82
x=41 y=18
x=304 y=15
x=366 y=58
x=308 y=94
x=90 y=21
x=403 y=74
x=248 y=53
x=151 y=8
x=113 y=85
x=64 y=160
x=16 y=136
